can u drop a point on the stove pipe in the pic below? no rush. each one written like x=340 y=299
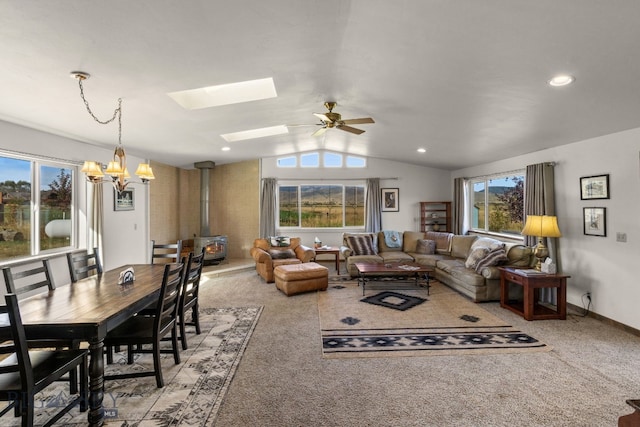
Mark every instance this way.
x=204 y=195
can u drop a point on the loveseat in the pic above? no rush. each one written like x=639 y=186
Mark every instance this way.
x=468 y=264
x=270 y=253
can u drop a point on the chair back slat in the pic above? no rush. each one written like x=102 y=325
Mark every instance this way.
x=82 y=264
x=169 y=251
x=22 y=362
x=23 y=281
x=192 y=276
x=167 y=307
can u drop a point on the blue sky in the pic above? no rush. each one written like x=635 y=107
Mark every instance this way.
x=20 y=170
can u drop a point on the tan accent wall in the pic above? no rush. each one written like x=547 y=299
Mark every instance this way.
x=235 y=189
x=234 y=200
x=164 y=221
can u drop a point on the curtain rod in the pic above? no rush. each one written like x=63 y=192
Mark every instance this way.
x=332 y=179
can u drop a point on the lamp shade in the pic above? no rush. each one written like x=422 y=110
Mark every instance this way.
x=541 y=226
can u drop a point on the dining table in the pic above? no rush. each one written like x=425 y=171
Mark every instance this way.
x=87 y=310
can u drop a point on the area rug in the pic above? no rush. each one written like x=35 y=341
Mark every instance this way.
x=193 y=391
x=410 y=321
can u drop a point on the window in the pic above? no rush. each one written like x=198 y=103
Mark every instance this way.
x=321 y=206
x=497 y=203
x=329 y=160
x=36 y=206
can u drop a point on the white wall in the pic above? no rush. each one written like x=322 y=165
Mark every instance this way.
x=601 y=265
x=415 y=184
x=125 y=232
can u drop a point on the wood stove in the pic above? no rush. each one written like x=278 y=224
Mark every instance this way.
x=215 y=245
x=215 y=248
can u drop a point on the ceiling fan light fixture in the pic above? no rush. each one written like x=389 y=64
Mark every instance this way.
x=561 y=80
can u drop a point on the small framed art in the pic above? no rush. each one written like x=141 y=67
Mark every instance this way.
x=124 y=200
x=594 y=187
x=595 y=221
x=390 y=200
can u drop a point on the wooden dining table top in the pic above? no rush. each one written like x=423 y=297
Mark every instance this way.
x=93 y=301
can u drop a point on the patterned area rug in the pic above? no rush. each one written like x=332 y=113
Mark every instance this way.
x=407 y=322
x=193 y=391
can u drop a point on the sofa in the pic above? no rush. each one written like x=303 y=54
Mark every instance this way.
x=270 y=253
x=468 y=264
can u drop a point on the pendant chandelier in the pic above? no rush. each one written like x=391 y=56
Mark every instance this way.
x=116 y=168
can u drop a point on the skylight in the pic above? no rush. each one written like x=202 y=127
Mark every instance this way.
x=255 y=133
x=231 y=93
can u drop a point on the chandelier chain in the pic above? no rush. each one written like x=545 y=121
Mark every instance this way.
x=116 y=113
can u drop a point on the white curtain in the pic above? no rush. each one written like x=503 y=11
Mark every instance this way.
x=96 y=219
x=268 y=208
x=372 y=204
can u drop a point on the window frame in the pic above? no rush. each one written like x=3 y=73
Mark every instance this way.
x=470 y=202
x=36 y=205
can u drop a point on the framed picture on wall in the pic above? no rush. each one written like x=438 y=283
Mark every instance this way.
x=124 y=200
x=594 y=187
x=390 y=200
x=595 y=221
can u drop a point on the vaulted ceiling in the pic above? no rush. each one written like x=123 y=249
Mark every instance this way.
x=467 y=80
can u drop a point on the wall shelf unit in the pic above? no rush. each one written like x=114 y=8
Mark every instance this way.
x=435 y=216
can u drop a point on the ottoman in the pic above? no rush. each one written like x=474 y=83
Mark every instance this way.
x=294 y=279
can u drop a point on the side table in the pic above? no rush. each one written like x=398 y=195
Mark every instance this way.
x=532 y=281
x=329 y=250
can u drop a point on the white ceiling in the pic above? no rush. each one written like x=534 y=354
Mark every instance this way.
x=464 y=79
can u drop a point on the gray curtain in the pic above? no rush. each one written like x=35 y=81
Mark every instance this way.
x=540 y=200
x=373 y=215
x=460 y=217
x=268 y=208
x=96 y=220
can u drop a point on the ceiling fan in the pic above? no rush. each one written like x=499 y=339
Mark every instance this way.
x=334 y=120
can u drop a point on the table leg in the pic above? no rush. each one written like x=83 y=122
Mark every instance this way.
x=529 y=301
x=96 y=383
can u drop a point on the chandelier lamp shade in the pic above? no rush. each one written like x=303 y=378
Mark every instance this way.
x=116 y=168
x=541 y=226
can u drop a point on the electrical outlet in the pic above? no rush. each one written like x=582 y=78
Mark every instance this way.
x=621 y=237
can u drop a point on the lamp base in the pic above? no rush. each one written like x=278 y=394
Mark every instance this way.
x=541 y=252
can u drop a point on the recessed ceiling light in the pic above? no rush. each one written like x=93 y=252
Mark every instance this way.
x=232 y=93
x=226 y=148
x=561 y=80
x=422 y=150
x=255 y=133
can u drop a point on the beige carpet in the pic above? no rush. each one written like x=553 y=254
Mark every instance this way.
x=442 y=322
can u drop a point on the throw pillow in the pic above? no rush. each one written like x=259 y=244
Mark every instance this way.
x=361 y=245
x=487 y=242
x=474 y=256
x=280 y=241
x=426 y=247
x=282 y=253
x=492 y=258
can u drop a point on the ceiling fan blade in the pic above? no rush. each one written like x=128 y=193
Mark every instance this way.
x=350 y=129
x=319 y=131
x=361 y=121
x=322 y=117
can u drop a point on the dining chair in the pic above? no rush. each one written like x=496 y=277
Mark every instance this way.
x=26 y=279
x=169 y=251
x=82 y=264
x=25 y=373
x=142 y=330
x=189 y=296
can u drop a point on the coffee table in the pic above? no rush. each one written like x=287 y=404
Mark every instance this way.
x=393 y=272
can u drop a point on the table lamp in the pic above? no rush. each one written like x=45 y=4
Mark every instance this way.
x=541 y=226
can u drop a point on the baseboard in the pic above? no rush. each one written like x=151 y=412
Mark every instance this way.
x=604 y=319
